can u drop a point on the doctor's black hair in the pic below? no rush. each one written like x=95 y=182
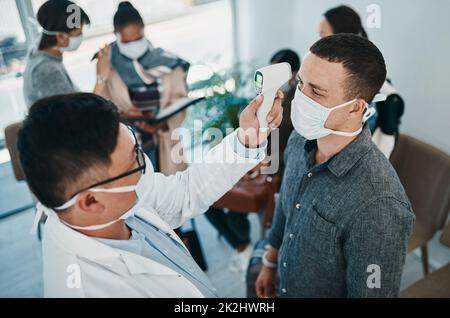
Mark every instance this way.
x=288 y=56
x=344 y=19
x=363 y=61
x=54 y=15
x=65 y=143
x=126 y=14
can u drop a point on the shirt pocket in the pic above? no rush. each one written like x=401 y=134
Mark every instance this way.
x=319 y=237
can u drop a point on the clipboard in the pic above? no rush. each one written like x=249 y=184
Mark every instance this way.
x=168 y=112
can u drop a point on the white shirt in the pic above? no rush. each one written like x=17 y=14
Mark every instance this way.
x=76 y=265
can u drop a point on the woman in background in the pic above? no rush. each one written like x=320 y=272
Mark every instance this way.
x=45 y=74
x=143 y=80
x=385 y=124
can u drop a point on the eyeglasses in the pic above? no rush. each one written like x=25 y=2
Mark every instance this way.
x=140 y=158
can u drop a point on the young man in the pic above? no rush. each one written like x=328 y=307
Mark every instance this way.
x=343 y=219
x=110 y=217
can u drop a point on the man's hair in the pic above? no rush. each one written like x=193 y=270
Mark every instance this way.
x=288 y=56
x=53 y=16
x=62 y=140
x=361 y=59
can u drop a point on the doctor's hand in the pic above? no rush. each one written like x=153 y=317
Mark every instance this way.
x=249 y=133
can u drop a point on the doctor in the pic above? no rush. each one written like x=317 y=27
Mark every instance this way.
x=110 y=217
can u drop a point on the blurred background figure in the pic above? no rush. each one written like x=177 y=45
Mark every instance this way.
x=342 y=19
x=385 y=125
x=144 y=80
x=235 y=226
x=45 y=74
x=286 y=128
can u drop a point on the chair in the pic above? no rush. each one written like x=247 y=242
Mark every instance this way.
x=435 y=285
x=253 y=196
x=11 y=133
x=11 y=136
x=425 y=174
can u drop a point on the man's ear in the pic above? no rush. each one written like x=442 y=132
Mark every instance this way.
x=358 y=109
x=88 y=203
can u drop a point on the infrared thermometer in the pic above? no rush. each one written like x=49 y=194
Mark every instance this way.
x=268 y=81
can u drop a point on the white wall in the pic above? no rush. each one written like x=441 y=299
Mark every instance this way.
x=263 y=27
x=414 y=38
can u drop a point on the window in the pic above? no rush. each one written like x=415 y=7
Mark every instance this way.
x=196 y=30
x=13 y=50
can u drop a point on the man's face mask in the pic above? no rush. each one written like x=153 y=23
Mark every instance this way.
x=309 y=117
x=141 y=188
x=133 y=50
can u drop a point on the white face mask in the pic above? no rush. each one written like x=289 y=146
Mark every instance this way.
x=309 y=117
x=133 y=50
x=143 y=187
x=74 y=42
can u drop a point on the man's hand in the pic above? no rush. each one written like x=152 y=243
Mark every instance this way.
x=266 y=283
x=249 y=133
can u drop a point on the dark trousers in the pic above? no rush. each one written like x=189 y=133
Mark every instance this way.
x=233 y=226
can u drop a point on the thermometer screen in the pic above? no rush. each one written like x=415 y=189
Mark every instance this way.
x=259 y=82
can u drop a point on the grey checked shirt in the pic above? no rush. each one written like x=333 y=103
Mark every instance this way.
x=341 y=228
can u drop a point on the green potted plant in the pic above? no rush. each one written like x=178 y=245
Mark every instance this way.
x=226 y=95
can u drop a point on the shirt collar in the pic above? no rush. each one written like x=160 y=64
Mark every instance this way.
x=349 y=156
x=340 y=164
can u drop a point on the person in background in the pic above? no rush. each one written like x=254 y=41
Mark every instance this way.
x=235 y=226
x=386 y=122
x=342 y=19
x=45 y=74
x=145 y=79
x=286 y=128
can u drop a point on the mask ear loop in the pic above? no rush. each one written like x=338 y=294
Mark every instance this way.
x=368 y=114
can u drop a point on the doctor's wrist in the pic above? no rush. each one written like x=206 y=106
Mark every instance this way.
x=249 y=139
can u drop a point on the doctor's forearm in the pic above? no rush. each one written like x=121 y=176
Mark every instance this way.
x=200 y=186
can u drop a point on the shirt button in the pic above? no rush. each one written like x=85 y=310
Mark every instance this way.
x=291 y=236
x=310 y=175
x=284 y=264
x=284 y=291
x=298 y=206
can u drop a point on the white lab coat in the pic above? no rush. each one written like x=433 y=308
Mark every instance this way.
x=76 y=265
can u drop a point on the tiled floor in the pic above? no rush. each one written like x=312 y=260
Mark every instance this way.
x=21 y=261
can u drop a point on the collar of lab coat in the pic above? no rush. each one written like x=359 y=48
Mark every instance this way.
x=80 y=245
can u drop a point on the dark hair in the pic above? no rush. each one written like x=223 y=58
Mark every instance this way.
x=288 y=56
x=63 y=138
x=362 y=60
x=53 y=16
x=344 y=19
x=126 y=14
